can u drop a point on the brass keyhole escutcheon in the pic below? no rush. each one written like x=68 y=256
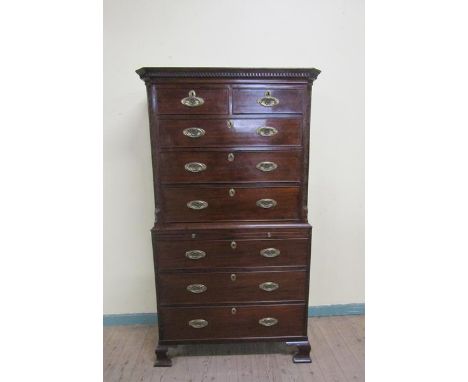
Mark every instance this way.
x=232 y=192
x=233 y=277
x=230 y=125
x=233 y=311
x=230 y=157
x=233 y=245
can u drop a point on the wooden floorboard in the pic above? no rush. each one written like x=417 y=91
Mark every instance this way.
x=337 y=356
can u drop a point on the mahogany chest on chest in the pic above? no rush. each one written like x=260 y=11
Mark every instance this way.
x=231 y=240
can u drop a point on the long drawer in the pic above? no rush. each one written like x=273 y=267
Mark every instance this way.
x=225 y=166
x=227 y=287
x=211 y=203
x=202 y=254
x=232 y=322
x=229 y=132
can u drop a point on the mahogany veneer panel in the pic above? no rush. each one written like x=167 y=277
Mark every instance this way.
x=223 y=207
x=290 y=100
x=220 y=254
x=222 y=323
x=222 y=289
x=241 y=132
x=241 y=169
x=215 y=100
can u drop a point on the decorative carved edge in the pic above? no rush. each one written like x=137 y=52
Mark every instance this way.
x=146 y=74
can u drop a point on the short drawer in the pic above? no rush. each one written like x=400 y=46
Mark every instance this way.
x=202 y=254
x=226 y=167
x=192 y=99
x=268 y=100
x=233 y=132
x=226 y=287
x=211 y=203
x=231 y=322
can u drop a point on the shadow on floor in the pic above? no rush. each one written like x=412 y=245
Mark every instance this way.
x=231 y=349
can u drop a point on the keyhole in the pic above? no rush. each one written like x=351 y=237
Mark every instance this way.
x=233 y=277
x=232 y=192
x=233 y=310
x=233 y=245
x=230 y=157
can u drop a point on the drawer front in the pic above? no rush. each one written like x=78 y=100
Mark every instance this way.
x=268 y=100
x=224 y=166
x=197 y=254
x=233 y=132
x=200 y=204
x=226 y=287
x=192 y=99
x=224 y=322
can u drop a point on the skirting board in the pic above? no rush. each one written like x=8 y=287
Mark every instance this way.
x=313 y=311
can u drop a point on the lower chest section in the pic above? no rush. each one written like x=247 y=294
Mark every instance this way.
x=232 y=283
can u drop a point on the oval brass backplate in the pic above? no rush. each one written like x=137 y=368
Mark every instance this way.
x=266 y=131
x=195 y=254
x=195 y=166
x=268 y=100
x=196 y=288
x=194 y=132
x=232 y=192
x=197 y=204
x=198 y=323
x=268 y=321
x=192 y=100
x=267 y=166
x=233 y=277
x=266 y=203
x=270 y=252
x=269 y=286
x=233 y=244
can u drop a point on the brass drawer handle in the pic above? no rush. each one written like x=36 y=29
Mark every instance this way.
x=267 y=166
x=198 y=323
x=268 y=100
x=266 y=131
x=270 y=252
x=195 y=166
x=266 y=203
x=269 y=286
x=195 y=254
x=197 y=288
x=197 y=204
x=192 y=100
x=268 y=321
x=194 y=132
